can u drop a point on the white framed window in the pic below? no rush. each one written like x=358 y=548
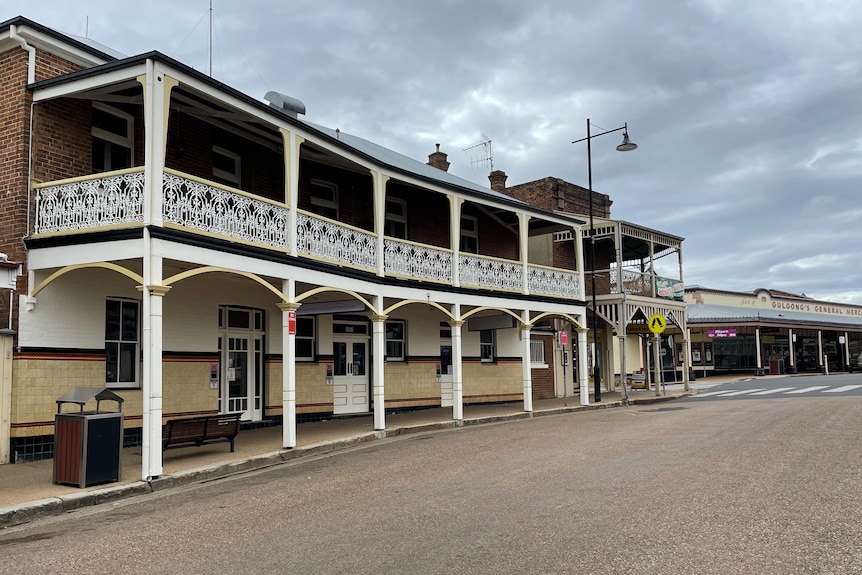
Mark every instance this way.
x=122 y=343
x=324 y=199
x=396 y=338
x=113 y=138
x=469 y=234
x=396 y=218
x=227 y=167
x=305 y=338
x=537 y=353
x=488 y=345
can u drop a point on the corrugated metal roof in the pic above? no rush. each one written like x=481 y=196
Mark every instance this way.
x=405 y=163
x=707 y=313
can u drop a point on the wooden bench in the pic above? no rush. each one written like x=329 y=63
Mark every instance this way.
x=196 y=431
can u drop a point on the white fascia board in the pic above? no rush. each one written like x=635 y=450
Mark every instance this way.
x=268 y=269
x=67 y=89
x=58 y=257
x=488 y=299
x=42 y=41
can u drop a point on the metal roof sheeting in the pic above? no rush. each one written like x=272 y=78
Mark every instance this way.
x=701 y=313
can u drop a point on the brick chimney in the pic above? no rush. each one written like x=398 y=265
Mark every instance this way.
x=498 y=180
x=438 y=160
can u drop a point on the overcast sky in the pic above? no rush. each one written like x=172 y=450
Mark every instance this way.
x=747 y=113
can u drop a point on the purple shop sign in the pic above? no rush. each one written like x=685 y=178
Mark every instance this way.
x=719 y=333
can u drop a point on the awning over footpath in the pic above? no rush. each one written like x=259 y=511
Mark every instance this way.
x=702 y=313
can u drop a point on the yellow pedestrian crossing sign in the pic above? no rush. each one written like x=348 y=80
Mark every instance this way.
x=657 y=323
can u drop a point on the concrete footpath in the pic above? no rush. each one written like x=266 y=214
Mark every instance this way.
x=27 y=491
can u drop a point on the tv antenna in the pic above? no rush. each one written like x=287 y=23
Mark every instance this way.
x=481 y=153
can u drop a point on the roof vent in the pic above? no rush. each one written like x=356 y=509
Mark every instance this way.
x=288 y=105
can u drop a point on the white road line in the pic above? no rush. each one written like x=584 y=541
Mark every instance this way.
x=843 y=388
x=807 y=389
x=773 y=390
x=708 y=393
x=743 y=392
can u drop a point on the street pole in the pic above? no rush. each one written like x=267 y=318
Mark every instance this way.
x=626 y=146
x=597 y=371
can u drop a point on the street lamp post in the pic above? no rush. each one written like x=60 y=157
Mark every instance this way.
x=626 y=146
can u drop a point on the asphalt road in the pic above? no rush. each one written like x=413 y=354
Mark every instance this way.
x=683 y=487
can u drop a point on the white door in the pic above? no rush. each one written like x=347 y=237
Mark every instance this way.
x=241 y=362
x=350 y=375
x=446 y=392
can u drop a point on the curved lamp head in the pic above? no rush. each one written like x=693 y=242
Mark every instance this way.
x=627 y=145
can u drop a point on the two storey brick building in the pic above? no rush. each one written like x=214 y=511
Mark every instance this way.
x=199 y=250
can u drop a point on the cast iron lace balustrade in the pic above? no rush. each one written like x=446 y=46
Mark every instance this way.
x=107 y=200
x=636 y=283
x=335 y=242
x=491 y=273
x=554 y=282
x=417 y=261
x=192 y=204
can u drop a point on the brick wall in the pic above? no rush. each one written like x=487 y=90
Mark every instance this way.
x=15 y=104
x=61 y=139
x=554 y=194
x=495 y=240
x=427 y=214
x=355 y=193
x=543 y=378
x=15 y=109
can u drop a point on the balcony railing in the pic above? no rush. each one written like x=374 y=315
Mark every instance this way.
x=335 y=242
x=635 y=283
x=418 y=261
x=106 y=200
x=485 y=272
x=117 y=198
x=543 y=280
x=224 y=212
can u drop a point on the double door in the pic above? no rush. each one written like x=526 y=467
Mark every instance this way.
x=350 y=382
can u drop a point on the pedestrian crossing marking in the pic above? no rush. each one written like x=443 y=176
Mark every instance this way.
x=774 y=390
x=843 y=388
x=779 y=390
x=807 y=389
x=708 y=393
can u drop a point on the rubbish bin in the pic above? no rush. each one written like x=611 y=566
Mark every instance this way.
x=88 y=445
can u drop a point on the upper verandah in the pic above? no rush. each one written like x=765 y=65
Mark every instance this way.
x=105 y=68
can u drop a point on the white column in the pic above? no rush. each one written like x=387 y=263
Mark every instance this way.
x=686 y=350
x=583 y=379
x=792 y=345
x=156 y=92
x=686 y=366
x=378 y=354
x=457 y=366
x=291 y=183
x=153 y=299
x=524 y=246
x=288 y=365
x=758 y=355
x=455 y=239
x=380 y=218
x=820 y=363
x=526 y=369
